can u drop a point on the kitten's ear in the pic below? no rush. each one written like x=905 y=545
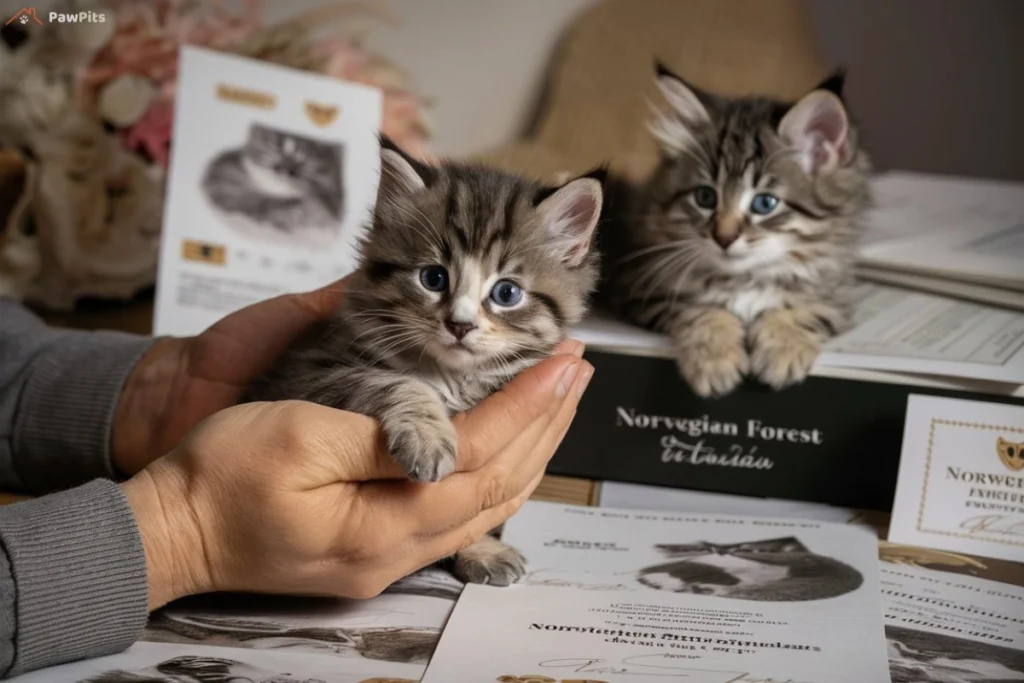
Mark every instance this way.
x=834 y=83
x=686 y=101
x=570 y=215
x=819 y=128
x=400 y=174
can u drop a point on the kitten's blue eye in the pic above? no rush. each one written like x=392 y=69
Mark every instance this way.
x=763 y=204
x=506 y=293
x=705 y=197
x=434 y=278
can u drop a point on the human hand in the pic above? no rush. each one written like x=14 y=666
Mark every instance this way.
x=183 y=380
x=294 y=497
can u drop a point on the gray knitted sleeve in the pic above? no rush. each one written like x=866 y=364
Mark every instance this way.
x=72 y=568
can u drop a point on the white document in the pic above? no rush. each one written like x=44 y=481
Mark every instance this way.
x=620 y=597
x=273 y=176
x=951 y=628
x=262 y=639
x=153 y=662
x=904 y=331
x=625 y=496
x=961 y=478
x=959 y=228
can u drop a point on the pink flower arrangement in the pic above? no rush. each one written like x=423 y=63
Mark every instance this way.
x=147 y=38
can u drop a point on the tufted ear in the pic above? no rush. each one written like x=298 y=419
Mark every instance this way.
x=685 y=100
x=818 y=127
x=570 y=214
x=401 y=175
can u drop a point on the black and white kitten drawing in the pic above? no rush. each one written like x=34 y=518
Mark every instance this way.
x=776 y=570
x=279 y=186
x=467 y=276
x=741 y=244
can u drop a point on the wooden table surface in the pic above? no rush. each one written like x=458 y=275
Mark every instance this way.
x=552 y=488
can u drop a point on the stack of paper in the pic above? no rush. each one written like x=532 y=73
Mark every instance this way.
x=956 y=236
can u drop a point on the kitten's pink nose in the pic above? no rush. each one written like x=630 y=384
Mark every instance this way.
x=460 y=330
x=724 y=240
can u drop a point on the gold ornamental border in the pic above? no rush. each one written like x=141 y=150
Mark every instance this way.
x=928 y=471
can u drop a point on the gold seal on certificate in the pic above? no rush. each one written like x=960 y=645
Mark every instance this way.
x=961 y=479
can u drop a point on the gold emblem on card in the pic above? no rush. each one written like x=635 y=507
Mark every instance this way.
x=213 y=254
x=252 y=98
x=321 y=114
x=1011 y=453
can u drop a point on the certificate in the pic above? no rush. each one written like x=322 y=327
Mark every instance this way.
x=961 y=478
x=620 y=596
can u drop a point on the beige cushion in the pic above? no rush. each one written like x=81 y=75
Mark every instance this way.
x=595 y=108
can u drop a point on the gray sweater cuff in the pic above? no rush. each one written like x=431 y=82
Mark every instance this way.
x=62 y=430
x=80 y=575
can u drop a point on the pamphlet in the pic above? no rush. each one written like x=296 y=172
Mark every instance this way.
x=950 y=627
x=273 y=176
x=263 y=639
x=620 y=596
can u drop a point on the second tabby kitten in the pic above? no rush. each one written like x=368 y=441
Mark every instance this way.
x=741 y=244
x=467 y=277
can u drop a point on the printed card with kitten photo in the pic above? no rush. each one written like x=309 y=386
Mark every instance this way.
x=613 y=595
x=273 y=177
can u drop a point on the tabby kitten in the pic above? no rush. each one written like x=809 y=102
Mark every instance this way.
x=741 y=244
x=467 y=276
x=279 y=182
x=776 y=570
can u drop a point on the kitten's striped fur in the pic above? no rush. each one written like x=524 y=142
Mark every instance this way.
x=741 y=292
x=393 y=350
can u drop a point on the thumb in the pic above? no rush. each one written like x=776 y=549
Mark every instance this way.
x=533 y=394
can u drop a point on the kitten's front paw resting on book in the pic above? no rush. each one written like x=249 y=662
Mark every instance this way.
x=490 y=561
x=782 y=351
x=712 y=354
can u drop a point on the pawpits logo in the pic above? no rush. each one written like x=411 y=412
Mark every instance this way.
x=28 y=14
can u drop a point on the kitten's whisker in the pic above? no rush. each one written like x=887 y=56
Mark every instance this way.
x=650 y=250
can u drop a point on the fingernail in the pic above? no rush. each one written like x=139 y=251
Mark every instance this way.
x=588 y=374
x=579 y=348
x=568 y=377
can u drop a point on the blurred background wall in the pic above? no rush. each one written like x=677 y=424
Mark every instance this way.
x=937 y=84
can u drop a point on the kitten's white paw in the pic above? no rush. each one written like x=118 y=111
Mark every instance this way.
x=782 y=352
x=490 y=561
x=422 y=439
x=712 y=355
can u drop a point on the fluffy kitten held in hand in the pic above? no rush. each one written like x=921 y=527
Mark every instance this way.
x=467 y=277
x=741 y=244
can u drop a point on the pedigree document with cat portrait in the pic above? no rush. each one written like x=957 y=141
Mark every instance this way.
x=273 y=176
x=619 y=596
x=961 y=478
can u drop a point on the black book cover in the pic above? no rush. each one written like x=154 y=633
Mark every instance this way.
x=834 y=441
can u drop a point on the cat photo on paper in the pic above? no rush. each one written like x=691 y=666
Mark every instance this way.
x=770 y=570
x=279 y=186
x=197 y=669
x=403 y=645
x=924 y=657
